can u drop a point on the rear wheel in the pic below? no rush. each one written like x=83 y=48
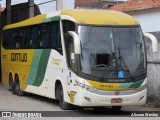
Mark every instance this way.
x=63 y=104
x=11 y=83
x=17 y=87
x=116 y=108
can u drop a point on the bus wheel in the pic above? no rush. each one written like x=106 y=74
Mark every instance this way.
x=11 y=83
x=17 y=87
x=116 y=108
x=13 y=88
x=63 y=104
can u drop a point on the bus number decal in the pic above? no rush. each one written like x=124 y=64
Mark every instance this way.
x=106 y=86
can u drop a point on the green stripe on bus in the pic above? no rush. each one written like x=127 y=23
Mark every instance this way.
x=125 y=85
x=137 y=84
x=34 y=66
x=131 y=84
x=56 y=18
x=42 y=67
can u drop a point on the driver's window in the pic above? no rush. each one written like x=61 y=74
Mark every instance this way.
x=71 y=56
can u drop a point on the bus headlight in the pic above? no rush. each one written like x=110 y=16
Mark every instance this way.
x=86 y=87
x=91 y=89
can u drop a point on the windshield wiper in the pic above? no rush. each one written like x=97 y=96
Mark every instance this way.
x=124 y=63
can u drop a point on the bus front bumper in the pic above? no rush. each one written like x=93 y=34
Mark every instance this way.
x=87 y=98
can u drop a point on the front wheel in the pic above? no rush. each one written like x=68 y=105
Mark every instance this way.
x=63 y=104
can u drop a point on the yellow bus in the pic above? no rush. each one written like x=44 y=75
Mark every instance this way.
x=80 y=57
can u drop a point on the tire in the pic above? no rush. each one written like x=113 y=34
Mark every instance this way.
x=13 y=89
x=11 y=84
x=10 y=81
x=57 y=92
x=116 y=108
x=62 y=103
x=17 y=87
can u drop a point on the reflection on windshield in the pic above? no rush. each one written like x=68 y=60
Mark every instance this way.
x=100 y=50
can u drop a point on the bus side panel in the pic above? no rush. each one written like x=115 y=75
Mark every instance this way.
x=52 y=70
x=16 y=62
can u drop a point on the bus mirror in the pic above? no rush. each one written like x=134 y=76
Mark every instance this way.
x=153 y=41
x=76 y=41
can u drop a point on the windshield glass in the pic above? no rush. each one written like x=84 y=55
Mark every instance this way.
x=102 y=48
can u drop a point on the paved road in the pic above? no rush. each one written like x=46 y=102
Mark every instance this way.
x=30 y=102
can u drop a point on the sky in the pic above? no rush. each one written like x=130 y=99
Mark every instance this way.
x=44 y=8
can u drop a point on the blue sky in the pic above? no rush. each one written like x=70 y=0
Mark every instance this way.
x=45 y=8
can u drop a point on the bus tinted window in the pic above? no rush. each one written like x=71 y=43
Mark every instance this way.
x=34 y=41
x=56 y=37
x=45 y=36
x=8 y=39
x=34 y=37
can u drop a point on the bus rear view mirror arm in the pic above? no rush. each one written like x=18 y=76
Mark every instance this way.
x=76 y=41
x=153 y=40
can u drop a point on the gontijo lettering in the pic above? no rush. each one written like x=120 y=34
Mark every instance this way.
x=19 y=57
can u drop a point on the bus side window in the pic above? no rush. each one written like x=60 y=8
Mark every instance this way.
x=59 y=44
x=5 y=39
x=25 y=42
x=48 y=36
x=34 y=41
x=67 y=26
x=12 y=38
x=29 y=37
x=21 y=38
x=45 y=35
x=56 y=37
x=39 y=37
x=53 y=39
x=17 y=38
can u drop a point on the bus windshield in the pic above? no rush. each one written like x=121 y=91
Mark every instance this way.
x=102 y=48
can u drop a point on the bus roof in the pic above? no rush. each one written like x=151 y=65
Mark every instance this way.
x=82 y=16
x=100 y=17
x=32 y=21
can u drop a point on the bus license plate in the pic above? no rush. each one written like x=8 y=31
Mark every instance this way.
x=116 y=100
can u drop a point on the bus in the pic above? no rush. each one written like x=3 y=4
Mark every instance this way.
x=86 y=58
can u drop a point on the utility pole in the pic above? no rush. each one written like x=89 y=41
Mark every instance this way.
x=31 y=8
x=59 y=4
x=8 y=7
